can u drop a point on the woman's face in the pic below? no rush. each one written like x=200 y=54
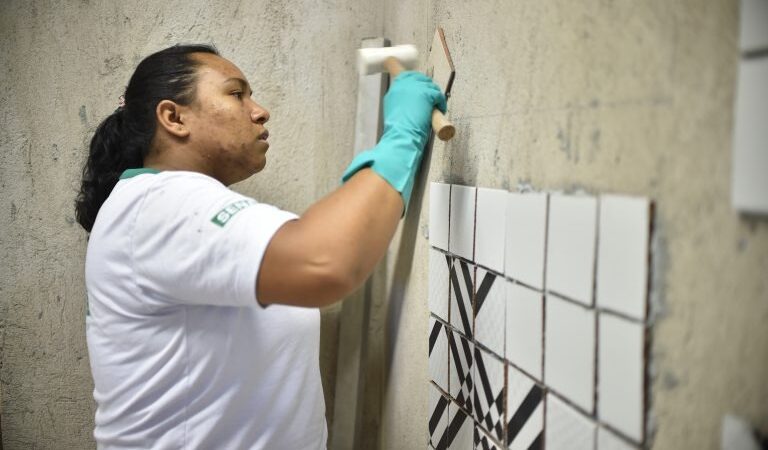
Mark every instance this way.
x=226 y=126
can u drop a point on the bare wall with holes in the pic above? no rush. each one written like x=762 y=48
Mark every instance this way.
x=605 y=97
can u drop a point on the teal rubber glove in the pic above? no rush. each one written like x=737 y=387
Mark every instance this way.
x=407 y=125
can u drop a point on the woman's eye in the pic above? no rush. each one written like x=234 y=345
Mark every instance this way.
x=239 y=95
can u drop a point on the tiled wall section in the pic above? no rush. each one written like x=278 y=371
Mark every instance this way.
x=537 y=330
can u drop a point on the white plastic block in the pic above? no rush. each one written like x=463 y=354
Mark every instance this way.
x=566 y=428
x=490 y=303
x=439 y=202
x=753 y=25
x=490 y=228
x=439 y=282
x=525 y=411
x=525 y=321
x=438 y=353
x=606 y=440
x=488 y=402
x=569 y=357
x=621 y=375
x=462 y=239
x=750 y=138
x=571 y=246
x=622 y=261
x=526 y=238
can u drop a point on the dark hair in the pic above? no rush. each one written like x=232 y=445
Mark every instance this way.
x=122 y=140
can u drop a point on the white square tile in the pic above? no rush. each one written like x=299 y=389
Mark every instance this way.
x=439 y=282
x=489 y=311
x=462 y=276
x=526 y=238
x=439 y=202
x=460 y=371
x=438 y=418
x=566 y=428
x=488 y=402
x=462 y=238
x=438 y=353
x=571 y=246
x=490 y=228
x=461 y=430
x=569 y=358
x=750 y=137
x=622 y=254
x=606 y=440
x=524 y=324
x=525 y=411
x=753 y=25
x=483 y=441
x=621 y=375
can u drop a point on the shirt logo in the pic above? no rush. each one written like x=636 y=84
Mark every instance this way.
x=222 y=217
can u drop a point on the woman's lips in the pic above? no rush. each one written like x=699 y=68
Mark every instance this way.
x=263 y=136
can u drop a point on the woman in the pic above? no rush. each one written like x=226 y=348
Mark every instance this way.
x=203 y=322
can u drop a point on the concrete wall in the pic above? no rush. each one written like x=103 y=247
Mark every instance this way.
x=606 y=96
x=602 y=96
x=63 y=66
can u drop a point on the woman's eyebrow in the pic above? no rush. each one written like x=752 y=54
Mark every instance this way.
x=243 y=84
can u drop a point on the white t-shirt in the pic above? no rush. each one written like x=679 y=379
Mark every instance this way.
x=182 y=355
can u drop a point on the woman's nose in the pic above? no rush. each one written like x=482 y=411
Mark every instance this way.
x=259 y=114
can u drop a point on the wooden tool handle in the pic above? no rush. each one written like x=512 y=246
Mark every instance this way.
x=443 y=128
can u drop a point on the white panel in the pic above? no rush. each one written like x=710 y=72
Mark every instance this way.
x=489 y=229
x=438 y=353
x=571 y=246
x=524 y=328
x=439 y=281
x=490 y=300
x=439 y=202
x=462 y=241
x=566 y=428
x=525 y=238
x=620 y=377
x=606 y=440
x=754 y=25
x=488 y=400
x=525 y=411
x=750 y=141
x=569 y=366
x=622 y=261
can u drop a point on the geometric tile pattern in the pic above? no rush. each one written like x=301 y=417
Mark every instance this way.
x=438 y=418
x=490 y=303
x=462 y=275
x=531 y=343
x=439 y=280
x=525 y=411
x=460 y=376
x=489 y=393
x=438 y=353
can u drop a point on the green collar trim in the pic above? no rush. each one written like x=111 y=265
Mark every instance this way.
x=130 y=173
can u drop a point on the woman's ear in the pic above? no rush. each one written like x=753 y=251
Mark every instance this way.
x=169 y=117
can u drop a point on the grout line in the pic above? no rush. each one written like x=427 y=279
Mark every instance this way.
x=543 y=296
x=596 y=343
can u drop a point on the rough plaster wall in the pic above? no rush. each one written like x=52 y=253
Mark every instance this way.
x=604 y=96
x=62 y=67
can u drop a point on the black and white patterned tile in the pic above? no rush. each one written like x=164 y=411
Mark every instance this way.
x=438 y=353
x=460 y=429
x=438 y=419
x=525 y=411
x=489 y=393
x=490 y=307
x=460 y=376
x=483 y=441
x=462 y=276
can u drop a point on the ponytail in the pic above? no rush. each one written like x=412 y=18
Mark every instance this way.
x=123 y=139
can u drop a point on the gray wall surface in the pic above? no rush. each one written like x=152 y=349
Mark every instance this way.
x=600 y=96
